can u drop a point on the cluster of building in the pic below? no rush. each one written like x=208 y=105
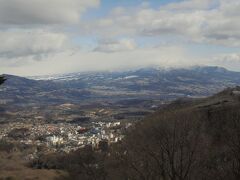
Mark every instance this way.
x=65 y=137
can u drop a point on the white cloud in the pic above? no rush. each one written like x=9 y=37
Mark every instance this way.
x=191 y=5
x=28 y=33
x=205 y=21
x=116 y=45
x=228 y=58
x=37 y=28
x=37 y=43
x=222 y=25
x=169 y=56
x=25 y=12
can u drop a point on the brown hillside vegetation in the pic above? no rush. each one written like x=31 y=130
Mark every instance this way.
x=13 y=167
x=192 y=139
x=195 y=139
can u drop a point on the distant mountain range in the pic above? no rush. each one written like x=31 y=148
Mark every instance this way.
x=120 y=95
x=146 y=83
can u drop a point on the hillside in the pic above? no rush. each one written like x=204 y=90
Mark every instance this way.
x=190 y=139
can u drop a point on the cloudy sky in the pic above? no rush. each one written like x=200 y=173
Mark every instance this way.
x=40 y=37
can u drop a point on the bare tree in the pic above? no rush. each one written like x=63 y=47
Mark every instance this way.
x=231 y=161
x=164 y=148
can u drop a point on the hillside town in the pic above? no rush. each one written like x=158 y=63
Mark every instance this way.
x=64 y=137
